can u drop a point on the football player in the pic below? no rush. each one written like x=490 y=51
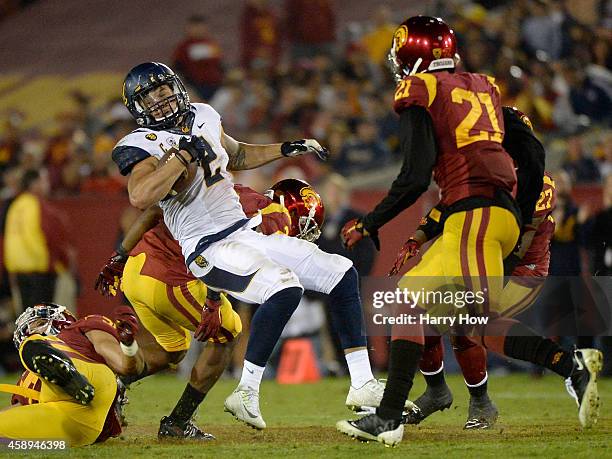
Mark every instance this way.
x=168 y=299
x=528 y=155
x=451 y=124
x=69 y=389
x=215 y=234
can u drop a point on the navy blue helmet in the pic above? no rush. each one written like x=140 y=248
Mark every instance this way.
x=164 y=113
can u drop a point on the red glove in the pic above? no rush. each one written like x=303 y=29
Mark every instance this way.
x=353 y=231
x=127 y=324
x=211 y=317
x=409 y=249
x=109 y=279
x=275 y=219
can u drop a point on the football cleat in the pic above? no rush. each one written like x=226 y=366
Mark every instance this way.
x=373 y=428
x=369 y=395
x=482 y=413
x=171 y=429
x=62 y=372
x=122 y=400
x=243 y=404
x=434 y=399
x=582 y=384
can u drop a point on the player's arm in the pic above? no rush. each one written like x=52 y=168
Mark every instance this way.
x=148 y=185
x=147 y=220
x=418 y=146
x=528 y=153
x=123 y=356
x=243 y=156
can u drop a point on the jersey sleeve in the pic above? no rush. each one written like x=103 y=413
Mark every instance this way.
x=93 y=322
x=417 y=90
x=133 y=148
x=251 y=200
x=547 y=200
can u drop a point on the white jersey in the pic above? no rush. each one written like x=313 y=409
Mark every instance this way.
x=210 y=204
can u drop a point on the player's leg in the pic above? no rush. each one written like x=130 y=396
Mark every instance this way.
x=209 y=366
x=238 y=266
x=437 y=395
x=513 y=339
x=472 y=359
x=335 y=276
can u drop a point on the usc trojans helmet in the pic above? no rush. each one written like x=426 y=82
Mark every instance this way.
x=304 y=205
x=422 y=44
x=44 y=319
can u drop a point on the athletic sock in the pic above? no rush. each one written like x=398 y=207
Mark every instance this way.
x=359 y=367
x=434 y=378
x=268 y=323
x=478 y=389
x=251 y=375
x=187 y=404
x=524 y=344
x=403 y=362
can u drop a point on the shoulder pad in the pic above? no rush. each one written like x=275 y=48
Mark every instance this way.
x=419 y=89
x=126 y=158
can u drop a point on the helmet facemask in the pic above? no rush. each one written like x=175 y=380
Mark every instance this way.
x=164 y=112
x=43 y=319
x=309 y=229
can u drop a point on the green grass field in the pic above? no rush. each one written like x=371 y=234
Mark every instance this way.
x=537 y=419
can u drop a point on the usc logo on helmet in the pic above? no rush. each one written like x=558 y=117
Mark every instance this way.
x=310 y=197
x=400 y=37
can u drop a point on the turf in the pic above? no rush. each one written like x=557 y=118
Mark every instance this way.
x=537 y=419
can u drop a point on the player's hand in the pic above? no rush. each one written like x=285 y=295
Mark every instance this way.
x=127 y=324
x=109 y=279
x=275 y=219
x=301 y=147
x=353 y=231
x=195 y=146
x=409 y=249
x=211 y=317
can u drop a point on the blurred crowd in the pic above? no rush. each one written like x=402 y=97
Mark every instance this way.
x=301 y=75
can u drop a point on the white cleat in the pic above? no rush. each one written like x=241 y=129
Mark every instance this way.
x=369 y=395
x=243 y=404
x=582 y=385
x=372 y=428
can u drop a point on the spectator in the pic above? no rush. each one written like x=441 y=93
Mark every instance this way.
x=310 y=28
x=198 y=58
x=582 y=168
x=36 y=244
x=364 y=152
x=378 y=41
x=600 y=234
x=260 y=37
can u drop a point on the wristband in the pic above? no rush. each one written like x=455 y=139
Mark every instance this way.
x=130 y=350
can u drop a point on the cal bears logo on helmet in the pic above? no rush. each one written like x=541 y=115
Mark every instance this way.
x=310 y=197
x=400 y=37
x=151 y=136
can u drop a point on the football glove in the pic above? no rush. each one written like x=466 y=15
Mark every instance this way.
x=301 y=147
x=210 y=324
x=127 y=324
x=109 y=279
x=353 y=231
x=195 y=146
x=275 y=219
x=409 y=249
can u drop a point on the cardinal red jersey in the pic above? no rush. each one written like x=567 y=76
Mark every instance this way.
x=466 y=112
x=74 y=336
x=536 y=260
x=164 y=259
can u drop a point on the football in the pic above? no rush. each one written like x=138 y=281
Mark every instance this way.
x=184 y=181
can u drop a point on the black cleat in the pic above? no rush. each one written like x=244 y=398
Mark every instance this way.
x=482 y=413
x=582 y=384
x=170 y=429
x=62 y=372
x=373 y=428
x=434 y=399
